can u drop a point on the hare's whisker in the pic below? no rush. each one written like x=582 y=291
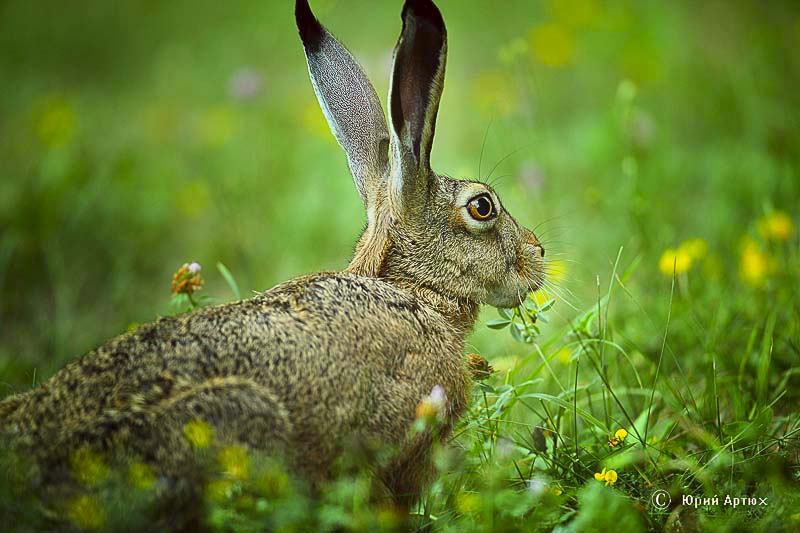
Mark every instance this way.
x=504 y=158
x=483 y=145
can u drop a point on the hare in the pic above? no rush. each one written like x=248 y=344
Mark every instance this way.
x=331 y=358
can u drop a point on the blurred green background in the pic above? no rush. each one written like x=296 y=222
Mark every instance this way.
x=136 y=136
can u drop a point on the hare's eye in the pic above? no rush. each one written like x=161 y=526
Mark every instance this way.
x=481 y=207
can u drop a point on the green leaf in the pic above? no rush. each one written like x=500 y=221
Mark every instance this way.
x=505 y=313
x=229 y=280
x=486 y=387
x=547 y=305
x=585 y=322
x=498 y=323
x=516 y=332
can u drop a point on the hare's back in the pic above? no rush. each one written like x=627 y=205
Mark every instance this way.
x=338 y=352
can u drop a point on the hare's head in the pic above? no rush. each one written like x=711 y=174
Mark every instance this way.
x=423 y=229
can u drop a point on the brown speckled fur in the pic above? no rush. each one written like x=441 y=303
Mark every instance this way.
x=318 y=361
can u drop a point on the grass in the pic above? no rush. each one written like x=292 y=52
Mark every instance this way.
x=654 y=145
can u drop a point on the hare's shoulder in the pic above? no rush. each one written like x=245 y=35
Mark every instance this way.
x=365 y=306
x=339 y=293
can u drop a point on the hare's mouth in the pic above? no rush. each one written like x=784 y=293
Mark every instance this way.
x=531 y=275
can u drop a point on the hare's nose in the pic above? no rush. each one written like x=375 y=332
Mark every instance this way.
x=537 y=246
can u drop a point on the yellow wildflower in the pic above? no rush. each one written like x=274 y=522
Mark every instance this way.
x=88 y=467
x=433 y=405
x=552 y=44
x=755 y=265
x=235 y=462
x=618 y=437
x=425 y=410
x=609 y=476
x=682 y=257
x=219 y=490
x=541 y=297
x=468 y=502
x=198 y=433
x=678 y=259
x=777 y=226
x=141 y=476
x=695 y=248
x=86 y=513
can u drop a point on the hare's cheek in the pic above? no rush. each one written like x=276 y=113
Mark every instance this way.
x=523 y=263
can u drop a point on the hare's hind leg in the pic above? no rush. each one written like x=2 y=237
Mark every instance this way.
x=162 y=428
x=156 y=429
x=408 y=473
x=230 y=411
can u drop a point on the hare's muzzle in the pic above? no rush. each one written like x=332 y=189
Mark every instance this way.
x=530 y=262
x=534 y=246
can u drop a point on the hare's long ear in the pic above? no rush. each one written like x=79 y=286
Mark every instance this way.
x=415 y=90
x=349 y=103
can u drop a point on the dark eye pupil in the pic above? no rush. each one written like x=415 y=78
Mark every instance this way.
x=483 y=206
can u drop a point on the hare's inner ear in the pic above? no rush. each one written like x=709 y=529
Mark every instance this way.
x=349 y=103
x=415 y=90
